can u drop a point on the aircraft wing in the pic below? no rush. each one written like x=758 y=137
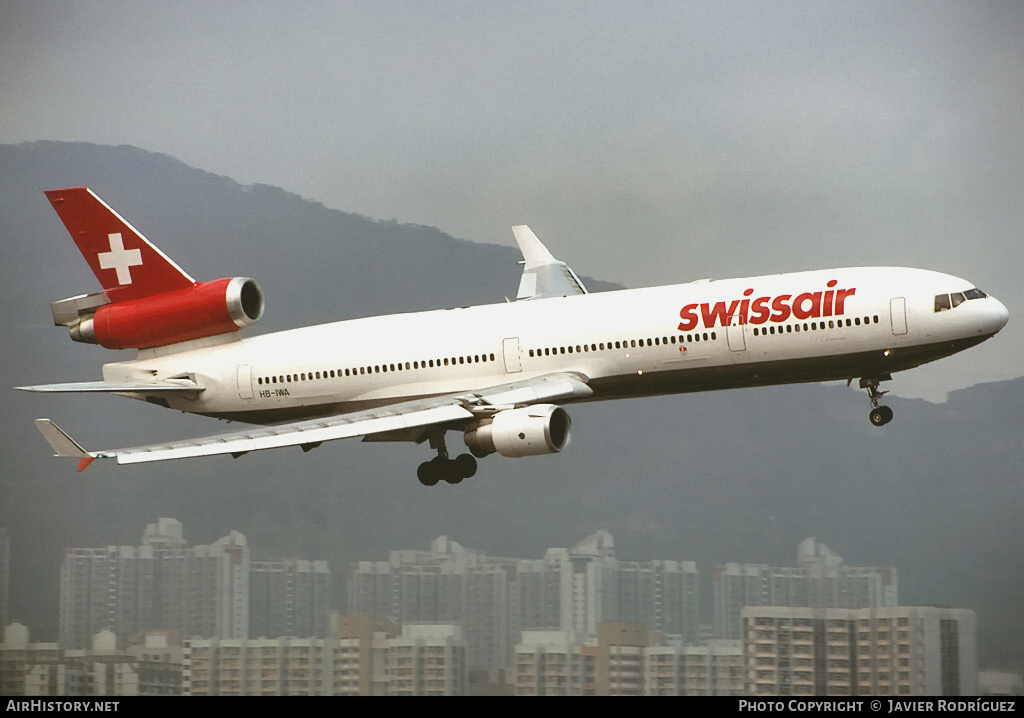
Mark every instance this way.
x=543 y=275
x=434 y=411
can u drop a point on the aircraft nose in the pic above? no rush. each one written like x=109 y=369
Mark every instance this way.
x=996 y=316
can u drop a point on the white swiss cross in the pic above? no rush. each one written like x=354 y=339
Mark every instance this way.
x=120 y=259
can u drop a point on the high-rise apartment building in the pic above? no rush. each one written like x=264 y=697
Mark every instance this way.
x=289 y=597
x=624 y=659
x=495 y=599
x=162 y=584
x=5 y=578
x=364 y=656
x=819 y=580
x=903 y=650
x=448 y=584
x=150 y=666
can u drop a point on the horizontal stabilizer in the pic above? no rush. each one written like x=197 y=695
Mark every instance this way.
x=109 y=387
x=543 y=275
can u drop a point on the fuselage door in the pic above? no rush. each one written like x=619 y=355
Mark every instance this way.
x=734 y=332
x=244 y=381
x=898 y=312
x=513 y=362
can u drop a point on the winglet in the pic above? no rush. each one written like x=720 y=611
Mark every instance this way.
x=543 y=275
x=64 y=445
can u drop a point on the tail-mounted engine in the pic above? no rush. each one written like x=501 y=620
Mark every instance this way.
x=530 y=431
x=205 y=309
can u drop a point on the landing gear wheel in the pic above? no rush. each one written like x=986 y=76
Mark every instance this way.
x=880 y=416
x=451 y=472
x=465 y=466
x=428 y=473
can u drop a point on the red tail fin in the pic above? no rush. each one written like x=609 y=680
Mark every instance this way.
x=124 y=261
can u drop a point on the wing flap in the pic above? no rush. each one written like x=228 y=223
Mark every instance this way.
x=396 y=418
x=289 y=435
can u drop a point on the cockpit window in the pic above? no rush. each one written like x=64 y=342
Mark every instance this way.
x=949 y=301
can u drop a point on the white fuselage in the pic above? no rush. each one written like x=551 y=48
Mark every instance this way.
x=805 y=326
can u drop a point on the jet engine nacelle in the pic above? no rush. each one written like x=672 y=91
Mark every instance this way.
x=530 y=431
x=203 y=310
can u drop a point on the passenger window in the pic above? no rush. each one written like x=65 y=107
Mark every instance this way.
x=941 y=302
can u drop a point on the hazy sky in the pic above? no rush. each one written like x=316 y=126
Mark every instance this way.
x=645 y=142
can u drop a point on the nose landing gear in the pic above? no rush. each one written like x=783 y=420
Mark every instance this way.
x=880 y=415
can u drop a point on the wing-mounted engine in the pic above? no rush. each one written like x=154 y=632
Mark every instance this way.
x=530 y=431
x=204 y=309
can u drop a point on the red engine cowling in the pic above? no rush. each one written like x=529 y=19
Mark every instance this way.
x=203 y=310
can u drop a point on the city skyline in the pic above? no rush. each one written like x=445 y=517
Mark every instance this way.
x=585 y=647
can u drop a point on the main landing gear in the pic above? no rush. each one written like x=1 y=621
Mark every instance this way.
x=880 y=415
x=452 y=471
